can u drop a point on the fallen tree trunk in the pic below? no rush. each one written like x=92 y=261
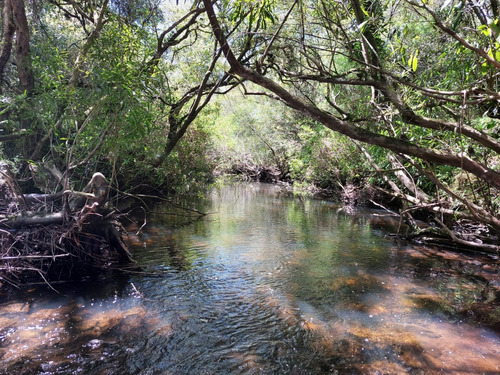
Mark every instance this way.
x=23 y=220
x=42 y=198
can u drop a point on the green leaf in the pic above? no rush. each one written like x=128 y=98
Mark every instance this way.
x=494 y=27
x=490 y=53
x=485 y=68
x=364 y=11
x=485 y=30
x=497 y=55
x=413 y=61
x=490 y=125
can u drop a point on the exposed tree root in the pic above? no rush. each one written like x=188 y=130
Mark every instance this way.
x=443 y=227
x=75 y=232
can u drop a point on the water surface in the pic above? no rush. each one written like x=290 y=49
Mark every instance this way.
x=265 y=284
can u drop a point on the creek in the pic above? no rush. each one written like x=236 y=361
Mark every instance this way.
x=264 y=284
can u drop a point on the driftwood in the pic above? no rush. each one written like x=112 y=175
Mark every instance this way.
x=41 y=232
x=459 y=231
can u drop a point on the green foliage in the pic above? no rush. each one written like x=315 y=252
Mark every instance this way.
x=258 y=14
x=257 y=132
x=115 y=117
x=138 y=12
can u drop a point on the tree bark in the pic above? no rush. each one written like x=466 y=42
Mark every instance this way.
x=15 y=22
x=9 y=28
x=44 y=218
x=23 y=56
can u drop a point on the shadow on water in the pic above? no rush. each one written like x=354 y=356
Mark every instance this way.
x=265 y=285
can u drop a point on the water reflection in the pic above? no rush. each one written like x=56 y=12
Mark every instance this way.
x=265 y=285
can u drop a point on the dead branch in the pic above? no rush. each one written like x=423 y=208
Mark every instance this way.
x=49 y=244
x=473 y=244
x=18 y=221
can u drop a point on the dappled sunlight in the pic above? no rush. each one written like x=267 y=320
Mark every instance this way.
x=43 y=336
x=401 y=333
x=249 y=292
x=23 y=332
x=390 y=324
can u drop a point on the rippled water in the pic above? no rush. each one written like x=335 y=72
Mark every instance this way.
x=265 y=284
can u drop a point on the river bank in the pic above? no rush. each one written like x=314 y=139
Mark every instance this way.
x=420 y=222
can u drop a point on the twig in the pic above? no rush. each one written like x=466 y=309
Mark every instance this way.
x=9 y=281
x=34 y=256
x=383 y=207
x=261 y=62
x=168 y=201
x=143 y=224
x=136 y=291
x=36 y=270
x=5 y=231
x=139 y=294
x=44 y=279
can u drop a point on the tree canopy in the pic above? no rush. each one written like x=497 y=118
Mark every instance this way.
x=407 y=92
x=355 y=67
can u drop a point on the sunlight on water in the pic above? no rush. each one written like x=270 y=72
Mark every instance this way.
x=264 y=285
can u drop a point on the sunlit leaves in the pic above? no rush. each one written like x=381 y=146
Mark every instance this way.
x=494 y=51
x=494 y=28
x=260 y=13
x=413 y=61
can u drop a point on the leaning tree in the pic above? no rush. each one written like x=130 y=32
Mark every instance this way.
x=418 y=79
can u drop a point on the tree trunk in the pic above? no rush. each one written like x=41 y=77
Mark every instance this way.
x=15 y=22
x=23 y=56
x=44 y=218
x=9 y=28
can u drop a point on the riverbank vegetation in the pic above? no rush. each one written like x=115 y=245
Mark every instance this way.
x=389 y=103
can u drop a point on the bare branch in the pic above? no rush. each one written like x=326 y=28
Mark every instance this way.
x=266 y=51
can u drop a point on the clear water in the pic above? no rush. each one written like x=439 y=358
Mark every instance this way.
x=265 y=284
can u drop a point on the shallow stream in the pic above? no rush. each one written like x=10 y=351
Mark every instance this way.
x=265 y=284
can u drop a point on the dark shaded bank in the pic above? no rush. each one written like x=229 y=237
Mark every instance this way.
x=53 y=237
x=259 y=173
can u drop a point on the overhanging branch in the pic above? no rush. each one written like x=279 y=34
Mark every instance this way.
x=400 y=146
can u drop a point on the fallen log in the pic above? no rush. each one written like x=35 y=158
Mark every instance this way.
x=42 y=198
x=95 y=191
x=31 y=218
